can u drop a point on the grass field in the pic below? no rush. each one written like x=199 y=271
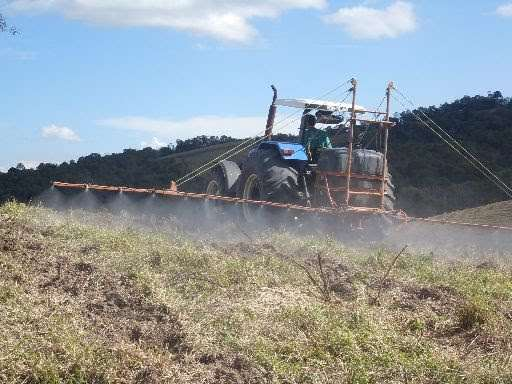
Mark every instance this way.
x=493 y=214
x=96 y=299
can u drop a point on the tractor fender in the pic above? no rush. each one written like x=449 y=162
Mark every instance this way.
x=231 y=173
x=287 y=151
x=223 y=179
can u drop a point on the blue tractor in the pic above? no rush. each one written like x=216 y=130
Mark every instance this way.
x=316 y=171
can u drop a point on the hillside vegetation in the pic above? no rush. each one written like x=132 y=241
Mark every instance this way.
x=430 y=178
x=433 y=179
x=103 y=299
x=144 y=168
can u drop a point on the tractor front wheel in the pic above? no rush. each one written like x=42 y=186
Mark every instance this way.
x=215 y=184
x=250 y=188
x=222 y=180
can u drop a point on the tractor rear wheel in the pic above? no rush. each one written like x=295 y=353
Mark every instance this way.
x=280 y=181
x=266 y=176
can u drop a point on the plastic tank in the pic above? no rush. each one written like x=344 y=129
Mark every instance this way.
x=364 y=162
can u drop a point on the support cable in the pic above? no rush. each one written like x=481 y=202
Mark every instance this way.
x=458 y=144
x=245 y=144
x=219 y=158
x=230 y=156
x=501 y=185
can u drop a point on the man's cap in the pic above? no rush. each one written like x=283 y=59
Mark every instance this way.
x=309 y=120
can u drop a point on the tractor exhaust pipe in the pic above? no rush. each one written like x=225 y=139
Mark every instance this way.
x=271 y=115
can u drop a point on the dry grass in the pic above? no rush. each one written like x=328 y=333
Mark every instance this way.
x=86 y=303
x=492 y=214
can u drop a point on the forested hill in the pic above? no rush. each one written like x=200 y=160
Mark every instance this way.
x=429 y=176
x=136 y=168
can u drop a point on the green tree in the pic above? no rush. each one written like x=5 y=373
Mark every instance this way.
x=5 y=27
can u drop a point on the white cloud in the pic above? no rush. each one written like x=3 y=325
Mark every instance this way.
x=31 y=164
x=228 y=20
x=504 y=10
x=363 y=22
x=155 y=143
x=195 y=126
x=63 y=133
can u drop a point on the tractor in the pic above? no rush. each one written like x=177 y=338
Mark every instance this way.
x=334 y=177
x=315 y=171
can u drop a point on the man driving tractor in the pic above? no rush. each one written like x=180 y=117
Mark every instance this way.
x=314 y=139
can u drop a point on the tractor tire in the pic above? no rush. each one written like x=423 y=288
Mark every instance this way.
x=223 y=179
x=250 y=188
x=266 y=176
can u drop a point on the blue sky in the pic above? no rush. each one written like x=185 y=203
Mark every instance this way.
x=99 y=76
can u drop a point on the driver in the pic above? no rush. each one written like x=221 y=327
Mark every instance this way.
x=314 y=139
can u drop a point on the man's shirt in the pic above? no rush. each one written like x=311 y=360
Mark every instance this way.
x=314 y=140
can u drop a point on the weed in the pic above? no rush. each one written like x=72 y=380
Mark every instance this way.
x=416 y=325
x=471 y=315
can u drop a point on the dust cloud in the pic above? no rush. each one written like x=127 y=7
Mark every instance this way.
x=217 y=221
